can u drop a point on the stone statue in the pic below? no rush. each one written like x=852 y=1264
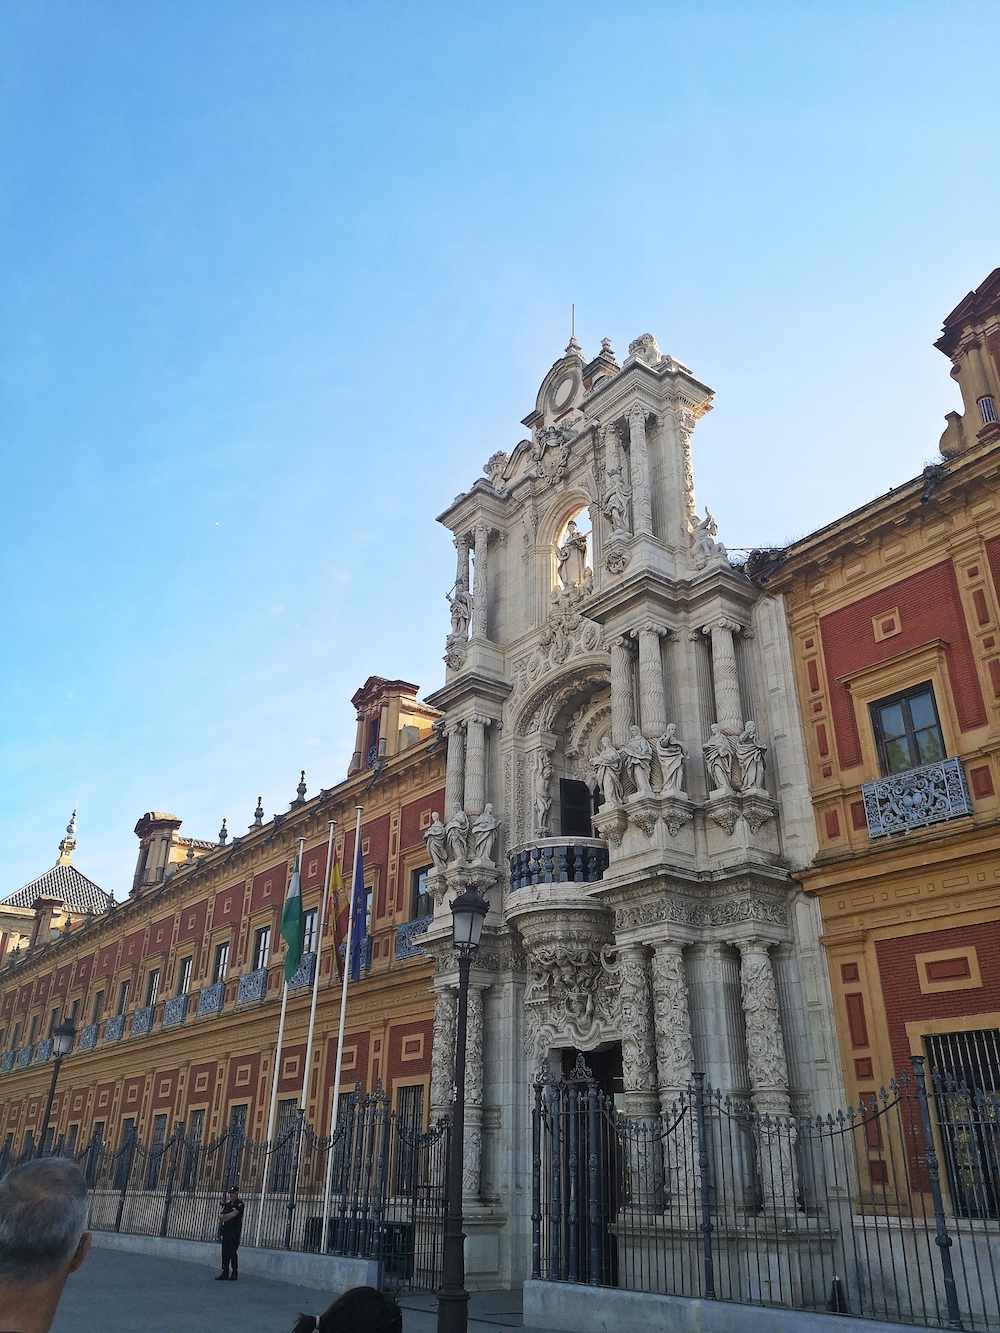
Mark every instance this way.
x=543 y=797
x=719 y=757
x=703 y=547
x=607 y=763
x=483 y=836
x=572 y=556
x=460 y=602
x=436 y=842
x=616 y=502
x=671 y=753
x=637 y=754
x=457 y=830
x=750 y=758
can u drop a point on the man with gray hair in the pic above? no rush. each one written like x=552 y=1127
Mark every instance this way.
x=43 y=1213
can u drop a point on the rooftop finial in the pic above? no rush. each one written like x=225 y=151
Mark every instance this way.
x=573 y=347
x=258 y=814
x=300 y=790
x=68 y=844
x=190 y=852
x=223 y=834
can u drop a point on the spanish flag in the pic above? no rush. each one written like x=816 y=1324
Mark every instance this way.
x=340 y=914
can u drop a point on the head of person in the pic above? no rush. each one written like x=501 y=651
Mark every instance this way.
x=43 y=1219
x=233 y=1194
x=360 y=1310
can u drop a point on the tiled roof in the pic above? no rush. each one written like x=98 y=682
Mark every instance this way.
x=79 y=893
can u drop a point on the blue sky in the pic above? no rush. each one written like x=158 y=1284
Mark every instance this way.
x=277 y=278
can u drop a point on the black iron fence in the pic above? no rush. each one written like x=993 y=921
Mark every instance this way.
x=385 y=1199
x=888 y=1210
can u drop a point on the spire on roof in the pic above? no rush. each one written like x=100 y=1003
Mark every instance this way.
x=258 y=814
x=300 y=791
x=68 y=845
x=223 y=835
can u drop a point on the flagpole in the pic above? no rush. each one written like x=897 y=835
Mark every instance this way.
x=321 y=914
x=340 y=1034
x=275 y=1079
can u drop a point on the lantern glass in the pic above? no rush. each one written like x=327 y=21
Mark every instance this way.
x=468 y=912
x=62 y=1038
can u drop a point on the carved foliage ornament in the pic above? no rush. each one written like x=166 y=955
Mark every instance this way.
x=566 y=634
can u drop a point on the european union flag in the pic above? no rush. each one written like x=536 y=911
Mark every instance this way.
x=359 y=912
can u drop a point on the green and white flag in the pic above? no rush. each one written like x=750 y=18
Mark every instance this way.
x=292 y=925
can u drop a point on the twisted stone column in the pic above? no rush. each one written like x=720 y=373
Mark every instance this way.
x=475 y=764
x=642 y=504
x=621 y=689
x=473 y=1158
x=728 y=712
x=462 y=567
x=652 y=703
x=675 y=1069
x=638 y=1037
x=768 y=1071
x=454 y=785
x=480 y=594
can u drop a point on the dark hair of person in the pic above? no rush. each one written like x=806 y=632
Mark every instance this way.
x=360 y=1310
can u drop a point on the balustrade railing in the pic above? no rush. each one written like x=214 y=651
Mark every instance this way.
x=88 y=1037
x=253 y=986
x=24 y=1056
x=211 y=999
x=558 y=861
x=304 y=973
x=114 y=1028
x=916 y=798
x=44 y=1051
x=142 y=1020
x=407 y=936
x=174 y=1010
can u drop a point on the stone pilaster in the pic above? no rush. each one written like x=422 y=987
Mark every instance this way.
x=672 y=1021
x=462 y=566
x=475 y=764
x=443 y=1053
x=638 y=1035
x=728 y=712
x=473 y=1160
x=652 y=703
x=621 y=689
x=480 y=596
x=454 y=790
x=642 y=504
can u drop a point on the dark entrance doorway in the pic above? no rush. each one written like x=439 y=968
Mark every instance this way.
x=606 y=1067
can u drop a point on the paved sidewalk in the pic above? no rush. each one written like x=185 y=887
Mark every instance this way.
x=116 y=1292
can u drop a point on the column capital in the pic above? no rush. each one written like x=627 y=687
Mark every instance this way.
x=638 y=413
x=480 y=718
x=453 y=728
x=651 y=627
x=722 y=623
x=747 y=945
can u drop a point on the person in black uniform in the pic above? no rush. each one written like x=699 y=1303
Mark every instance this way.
x=230 y=1227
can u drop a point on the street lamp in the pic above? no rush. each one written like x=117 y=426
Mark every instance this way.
x=63 y=1037
x=468 y=913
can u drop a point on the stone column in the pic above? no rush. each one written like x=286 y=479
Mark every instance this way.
x=480 y=594
x=475 y=764
x=642 y=504
x=621 y=689
x=652 y=704
x=768 y=1072
x=443 y=1053
x=462 y=568
x=638 y=1037
x=454 y=788
x=728 y=712
x=675 y=1068
x=473 y=1160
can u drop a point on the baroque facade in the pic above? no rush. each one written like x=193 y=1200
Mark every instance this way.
x=894 y=614
x=176 y=991
x=626 y=782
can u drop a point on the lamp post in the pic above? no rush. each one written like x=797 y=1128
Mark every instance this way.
x=63 y=1037
x=468 y=912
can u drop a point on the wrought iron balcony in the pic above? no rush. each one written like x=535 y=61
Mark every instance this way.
x=114 y=1028
x=211 y=999
x=559 y=861
x=24 y=1056
x=407 y=934
x=175 y=1010
x=88 y=1037
x=304 y=973
x=7 y=1062
x=916 y=798
x=44 y=1051
x=253 y=986
x=142 y=1020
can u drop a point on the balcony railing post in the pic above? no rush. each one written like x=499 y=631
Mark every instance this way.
x=942 y=1238
x=706 y=1213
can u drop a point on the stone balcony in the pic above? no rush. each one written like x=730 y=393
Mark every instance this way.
x=916 y=798
x=558 y=861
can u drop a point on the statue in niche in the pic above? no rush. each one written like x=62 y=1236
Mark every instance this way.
x=703 y=546
x=671 y=753
x=572 y=557
x=483 y=836
x=460 y=601
x=750 y=758
x=607 y=763
x=436 y=842
x=543 y=797
x=616 y=502
x=457 y=830
x=719 y=757
x=638 y=757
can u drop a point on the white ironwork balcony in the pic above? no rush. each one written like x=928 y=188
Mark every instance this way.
x=916 y=798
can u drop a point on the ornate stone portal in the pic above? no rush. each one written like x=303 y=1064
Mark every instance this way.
x=616 y=688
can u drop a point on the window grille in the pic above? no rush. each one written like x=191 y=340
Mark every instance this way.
x=968 y=1062
x=987 y=410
